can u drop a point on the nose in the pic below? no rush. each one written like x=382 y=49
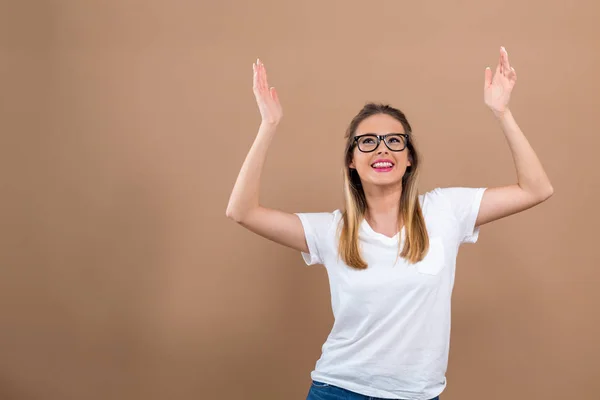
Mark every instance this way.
x=382 y=149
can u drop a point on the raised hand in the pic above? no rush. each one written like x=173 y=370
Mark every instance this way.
x=266 y=97
x=497 y=89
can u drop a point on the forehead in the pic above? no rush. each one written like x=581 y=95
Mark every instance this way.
x=380 y=124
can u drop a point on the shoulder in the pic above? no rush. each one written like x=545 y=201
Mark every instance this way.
x=433 y=198
x=461 y=203
x=453 y=196
x=320 y=222
x=320 y=232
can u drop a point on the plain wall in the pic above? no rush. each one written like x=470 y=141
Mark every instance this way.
x=123 y=126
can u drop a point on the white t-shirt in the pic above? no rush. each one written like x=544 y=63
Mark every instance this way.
x=391 y=333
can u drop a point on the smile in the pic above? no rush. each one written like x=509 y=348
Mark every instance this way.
x=382 y=165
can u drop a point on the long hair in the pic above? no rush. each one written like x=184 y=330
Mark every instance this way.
x=417 y=240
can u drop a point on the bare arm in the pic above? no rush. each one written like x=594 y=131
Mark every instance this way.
x=533 y=185
x=244 y=207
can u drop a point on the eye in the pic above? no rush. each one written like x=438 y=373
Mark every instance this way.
x=368 y=141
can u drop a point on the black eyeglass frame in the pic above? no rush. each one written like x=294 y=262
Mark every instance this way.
x=379 y=139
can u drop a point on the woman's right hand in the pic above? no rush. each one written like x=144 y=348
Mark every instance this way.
x=266 y=97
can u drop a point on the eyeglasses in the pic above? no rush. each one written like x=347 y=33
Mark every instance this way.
x=370 y=141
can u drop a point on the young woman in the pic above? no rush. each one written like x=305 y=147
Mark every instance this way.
x=390 y=253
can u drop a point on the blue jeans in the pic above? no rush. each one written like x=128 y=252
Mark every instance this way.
x=325 y=391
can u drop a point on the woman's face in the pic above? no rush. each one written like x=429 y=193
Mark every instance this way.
x=378 y=164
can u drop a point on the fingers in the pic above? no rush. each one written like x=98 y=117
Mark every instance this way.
x=264 y=86
x=498 y=68
x=256 y=78
x=505 y=64
x=488 y=77
x=256 y=82
x=508 y=71
x=264 y=94
x=259 y=80
x=260 y=83
x=512 y=75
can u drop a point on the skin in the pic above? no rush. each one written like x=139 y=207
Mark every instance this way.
x=382 y=189
x=532 y=185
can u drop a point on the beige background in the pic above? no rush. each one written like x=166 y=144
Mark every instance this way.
x=124 y=125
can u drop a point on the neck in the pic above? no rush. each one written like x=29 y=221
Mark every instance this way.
x=383 y=206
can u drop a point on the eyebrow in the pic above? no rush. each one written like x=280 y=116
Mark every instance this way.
x=380 y=134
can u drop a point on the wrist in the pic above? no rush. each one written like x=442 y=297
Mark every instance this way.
x=267 y=128
x=270 y=125
x=501 y=114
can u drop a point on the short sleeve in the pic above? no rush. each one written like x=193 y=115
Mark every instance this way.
x=317 y=231
x=464 y=203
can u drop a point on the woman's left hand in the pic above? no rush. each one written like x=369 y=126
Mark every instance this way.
x=497 y=89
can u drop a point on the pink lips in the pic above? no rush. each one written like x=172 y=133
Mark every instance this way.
x=382 y=169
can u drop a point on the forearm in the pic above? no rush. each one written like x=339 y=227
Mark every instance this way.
x=245 y=193
x=530 y=172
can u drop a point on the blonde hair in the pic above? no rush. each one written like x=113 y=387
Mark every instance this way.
x=355 y=204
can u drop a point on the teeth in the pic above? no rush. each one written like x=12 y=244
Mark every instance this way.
x=382 y=164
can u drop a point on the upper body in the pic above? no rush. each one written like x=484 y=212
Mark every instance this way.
x=390 y=252
x=391 y=331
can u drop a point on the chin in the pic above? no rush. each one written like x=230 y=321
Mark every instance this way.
x=386 y=180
